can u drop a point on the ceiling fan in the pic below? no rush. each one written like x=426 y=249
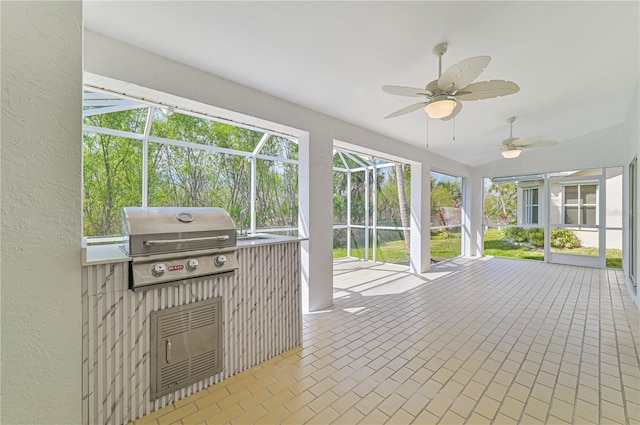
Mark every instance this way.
x=512 y=147
x=444 y=95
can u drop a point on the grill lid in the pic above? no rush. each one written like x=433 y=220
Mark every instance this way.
x=167 y=229
x=150 y=221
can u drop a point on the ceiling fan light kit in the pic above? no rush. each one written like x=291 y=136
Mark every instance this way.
x=511 y=153
x=440 y=108
x=512 y=146
x=443 y=96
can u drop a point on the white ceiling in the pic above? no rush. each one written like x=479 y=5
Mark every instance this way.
x=577 y=63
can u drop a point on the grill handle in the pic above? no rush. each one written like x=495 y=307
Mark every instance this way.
x=161 y=242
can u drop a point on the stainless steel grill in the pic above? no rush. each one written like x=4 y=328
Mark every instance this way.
x=171 y=245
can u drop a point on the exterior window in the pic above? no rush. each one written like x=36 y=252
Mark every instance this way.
x=580 y=204
x=530 y=205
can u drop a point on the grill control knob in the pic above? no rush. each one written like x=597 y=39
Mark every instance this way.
x=220 y=260
x=158 y=269
x=192 y=264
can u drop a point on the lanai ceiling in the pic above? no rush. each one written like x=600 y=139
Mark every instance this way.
x=577 y=63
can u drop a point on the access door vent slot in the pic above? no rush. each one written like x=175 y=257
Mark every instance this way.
x=186 y=345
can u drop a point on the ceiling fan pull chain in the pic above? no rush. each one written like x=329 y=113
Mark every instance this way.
x=454 y=128
x=427 y=134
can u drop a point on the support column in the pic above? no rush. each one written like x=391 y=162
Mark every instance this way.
x=420 y=245
x=472 y=208
x=315 y=221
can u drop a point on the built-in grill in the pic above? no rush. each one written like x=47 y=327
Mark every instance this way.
x=171 y=245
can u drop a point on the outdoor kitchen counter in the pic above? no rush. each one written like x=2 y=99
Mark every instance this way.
x=262 y=318
x=115 y=253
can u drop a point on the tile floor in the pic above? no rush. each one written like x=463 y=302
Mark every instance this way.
x=475 y=341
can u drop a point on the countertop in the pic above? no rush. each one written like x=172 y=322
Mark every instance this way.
x=115 y=253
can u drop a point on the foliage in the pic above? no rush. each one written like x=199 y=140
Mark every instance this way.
x=388 y=204
x=564 y=238
x=495 y=245
x=535 y=236
x=517 y=234
x=501 y=203
x=184 y=175
x=446 y=200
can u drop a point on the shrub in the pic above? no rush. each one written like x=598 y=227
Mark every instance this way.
x=518 y=234
x=535 y=236
x=564 y=238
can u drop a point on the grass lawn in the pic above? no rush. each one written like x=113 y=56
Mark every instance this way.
x=494 y=245
x=444 y=246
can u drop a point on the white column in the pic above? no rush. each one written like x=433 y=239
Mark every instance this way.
x=41 y=198
x=472 y=206
x=420 y=245
x=315 y=218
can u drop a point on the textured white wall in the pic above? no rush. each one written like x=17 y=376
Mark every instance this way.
x=41 y=206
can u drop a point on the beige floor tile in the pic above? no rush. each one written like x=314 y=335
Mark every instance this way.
x=439 y=405
x=225 y=416
x=451 y=418
x=299 y=401
x=251 y=416
x=477 y=419
x=368 y=403
x=301 y=416
x=463 y=406
x=416 y=403
x=322 y=402
x=401 y=417
x=502 y=419
x=511 y=408
x=613 y=412
x=214 y=394
x=275 y=416
x=474 y=390
x=466 y=352
x=201 y=414
x=530 y=420
x=496 y=391
x=350 y=417
x=391 y=404
x=177 y=414
x=487 y=407
x=587 y=411
x=425 y=417
x=375 y=417
x=537 y=409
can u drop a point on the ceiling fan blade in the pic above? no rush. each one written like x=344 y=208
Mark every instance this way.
x=406 y=91
x=455 y=112
x=525 y=141
x=407 y=109
x=487 y=90
x=463 y=73
x=537 y=144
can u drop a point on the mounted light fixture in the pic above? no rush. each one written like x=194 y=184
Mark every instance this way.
x=511 y=153
x=440 y=108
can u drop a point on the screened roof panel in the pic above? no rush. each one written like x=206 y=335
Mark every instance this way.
x=188 y=128
x=281 y=147
x=131 y=120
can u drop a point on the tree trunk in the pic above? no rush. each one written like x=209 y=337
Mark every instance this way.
x=402 y=201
